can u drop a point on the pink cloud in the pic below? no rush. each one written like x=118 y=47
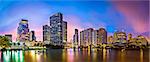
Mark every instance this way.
x=13 y=33
x=135 y=15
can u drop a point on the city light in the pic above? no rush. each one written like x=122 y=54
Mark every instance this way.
x=74 y=31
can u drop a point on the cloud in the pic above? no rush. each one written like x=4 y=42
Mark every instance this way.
x=13 y=32
x=136 y=14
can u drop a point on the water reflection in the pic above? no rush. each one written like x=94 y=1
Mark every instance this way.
x=75 y=55
x=35 y=56
x=11 y=56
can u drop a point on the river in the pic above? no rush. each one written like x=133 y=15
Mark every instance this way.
x=75 y=55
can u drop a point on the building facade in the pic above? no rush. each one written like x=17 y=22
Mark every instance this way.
x=102 y=36
x=95 y=37
x=46 y=33
x=86 y=37
x=81 y=38
x=121 y=37
x=58 y=29
x=64 y=30
x=76 y=38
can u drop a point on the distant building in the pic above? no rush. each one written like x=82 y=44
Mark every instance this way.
x=86 y=37
x=76 y=38
x=120 y=37
x=32 y=36
x=129 y=37
x=110 y=40
x=58 y=29
x=102 y=36
x=115 y=37
x=81 y=38
x=23 y=31
x=141 y=40
x=138 y=41
x=46 y=33
x=9 y=36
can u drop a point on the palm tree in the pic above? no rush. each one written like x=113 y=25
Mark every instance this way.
x=4 y=42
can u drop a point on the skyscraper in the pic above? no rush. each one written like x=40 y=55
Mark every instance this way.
x=76 y=38
x=102 y=35
x=23 y=31
x=58 y=29
x=32 y=36
x=81 y=38
x=46 y=33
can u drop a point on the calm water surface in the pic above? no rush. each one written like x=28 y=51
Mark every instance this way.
x=71 y=55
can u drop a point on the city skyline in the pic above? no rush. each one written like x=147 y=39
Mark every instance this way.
x=74 y=31
x=118 y=18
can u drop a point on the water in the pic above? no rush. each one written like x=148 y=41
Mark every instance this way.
x=71 y=55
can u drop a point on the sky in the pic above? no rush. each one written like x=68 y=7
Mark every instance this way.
x=129 y=16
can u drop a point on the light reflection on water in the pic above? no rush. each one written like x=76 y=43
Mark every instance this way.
x=75 y=55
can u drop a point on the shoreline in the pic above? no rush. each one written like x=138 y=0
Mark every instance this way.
x=74 y=48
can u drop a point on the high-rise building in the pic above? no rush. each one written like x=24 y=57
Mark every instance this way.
x=58 y=29
x=32 y=36
x=23 y=31
x=102 y=36
x=86 y=37
x=76 y=38
x=9 y=36
x=46 y=33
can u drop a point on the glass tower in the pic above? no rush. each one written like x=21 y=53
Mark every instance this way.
x=23 y=31
x=58 y=29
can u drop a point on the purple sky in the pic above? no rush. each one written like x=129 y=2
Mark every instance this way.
x=130 y=16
